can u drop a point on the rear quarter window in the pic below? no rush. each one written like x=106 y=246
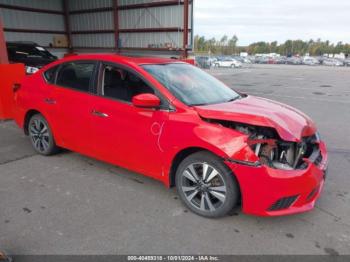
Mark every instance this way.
x=77 y=75
x=50 y=75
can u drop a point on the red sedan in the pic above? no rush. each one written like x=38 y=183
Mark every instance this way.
x=175 y=123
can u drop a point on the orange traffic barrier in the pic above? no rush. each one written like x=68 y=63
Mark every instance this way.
x=9 y=75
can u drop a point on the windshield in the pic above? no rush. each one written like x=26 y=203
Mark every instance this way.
x=191 y=85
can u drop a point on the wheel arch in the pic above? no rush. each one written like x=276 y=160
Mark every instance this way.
x=27 y=118
x=32 y=112
x=181 y=155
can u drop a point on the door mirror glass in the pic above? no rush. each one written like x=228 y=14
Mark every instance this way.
x=146 y=101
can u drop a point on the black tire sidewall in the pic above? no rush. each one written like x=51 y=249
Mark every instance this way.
x=232 y=194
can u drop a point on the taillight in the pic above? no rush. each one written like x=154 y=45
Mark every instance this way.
x=16 y=87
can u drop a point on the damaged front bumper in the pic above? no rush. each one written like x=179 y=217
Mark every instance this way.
x=269 y=191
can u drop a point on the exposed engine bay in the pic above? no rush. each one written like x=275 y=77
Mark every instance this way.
x=275 y=152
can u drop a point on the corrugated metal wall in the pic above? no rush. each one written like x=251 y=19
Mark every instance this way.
x=91 y=21
x=29 y=20
x=18 y=19
x=88 y=4
x=137 y=18
x=55 y=5
x=169 y=16
x=141 y=18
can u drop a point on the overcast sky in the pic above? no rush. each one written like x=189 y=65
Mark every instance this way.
x=269 y=20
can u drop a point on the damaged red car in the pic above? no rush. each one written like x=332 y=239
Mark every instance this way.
x=175 y=123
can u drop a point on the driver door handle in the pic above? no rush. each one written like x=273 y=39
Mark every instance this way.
x=50 y=101
x=99 y=114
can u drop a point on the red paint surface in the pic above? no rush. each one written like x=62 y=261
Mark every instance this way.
x=9 y=75
x=290 y=123
x=262 y=186
x=148 y=140
x=146 y=100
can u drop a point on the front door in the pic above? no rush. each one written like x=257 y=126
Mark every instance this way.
x=124 y=134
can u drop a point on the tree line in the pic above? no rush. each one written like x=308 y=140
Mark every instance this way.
x=228 y=46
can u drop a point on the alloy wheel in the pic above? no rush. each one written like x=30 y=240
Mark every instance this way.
x=39 y=134
x=203 y=186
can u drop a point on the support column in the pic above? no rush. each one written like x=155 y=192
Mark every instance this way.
x=116 y=25
x=185 y=34
x=3 y=49
x=67 y=24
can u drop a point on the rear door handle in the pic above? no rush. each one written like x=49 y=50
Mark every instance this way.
x=99 y=114
x=50 y=101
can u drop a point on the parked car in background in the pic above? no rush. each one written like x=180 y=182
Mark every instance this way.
x=243 y=60
x=32 y=55
x=203 y=61
x=347 y=62
x=294 y=60
x=173 y=122
x=320 y=59
x=261 y=60
x=272 y=60
x=227 y=62
x=281 y=60
x=238 y=58
x=247 y=60
x=308 y=60
x=332 y=62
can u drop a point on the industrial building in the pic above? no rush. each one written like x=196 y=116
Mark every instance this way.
x=131 y=27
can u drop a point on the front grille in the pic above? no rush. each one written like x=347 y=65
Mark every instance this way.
x=310 y=150
x=318 y=160
x=310 y=145
x=283 y=203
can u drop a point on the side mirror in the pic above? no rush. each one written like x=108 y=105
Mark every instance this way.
x=146 y=101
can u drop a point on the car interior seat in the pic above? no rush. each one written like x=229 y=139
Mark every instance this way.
x=113 y=85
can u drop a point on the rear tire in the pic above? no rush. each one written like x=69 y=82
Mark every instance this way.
x=41 y=136
x=206 y=185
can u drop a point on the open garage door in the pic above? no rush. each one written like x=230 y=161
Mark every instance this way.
x=132 y=27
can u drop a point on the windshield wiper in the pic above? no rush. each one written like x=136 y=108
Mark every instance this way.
x=233 y=99
x=205 y=104
x=200 y=104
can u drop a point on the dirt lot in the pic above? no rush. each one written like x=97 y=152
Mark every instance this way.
x=71 y=204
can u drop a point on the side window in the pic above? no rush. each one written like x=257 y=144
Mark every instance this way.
x=77 y=75
x=50 y=74
x=123 y=85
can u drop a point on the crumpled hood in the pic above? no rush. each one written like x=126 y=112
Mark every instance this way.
x=290 y=123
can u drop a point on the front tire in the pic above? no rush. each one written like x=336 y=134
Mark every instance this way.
x=41 y=136
x=206 y=185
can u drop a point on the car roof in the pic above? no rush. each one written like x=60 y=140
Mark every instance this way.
x=120 y=58
x=21 y=43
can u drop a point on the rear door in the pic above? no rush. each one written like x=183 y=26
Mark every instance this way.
x=72 y=93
